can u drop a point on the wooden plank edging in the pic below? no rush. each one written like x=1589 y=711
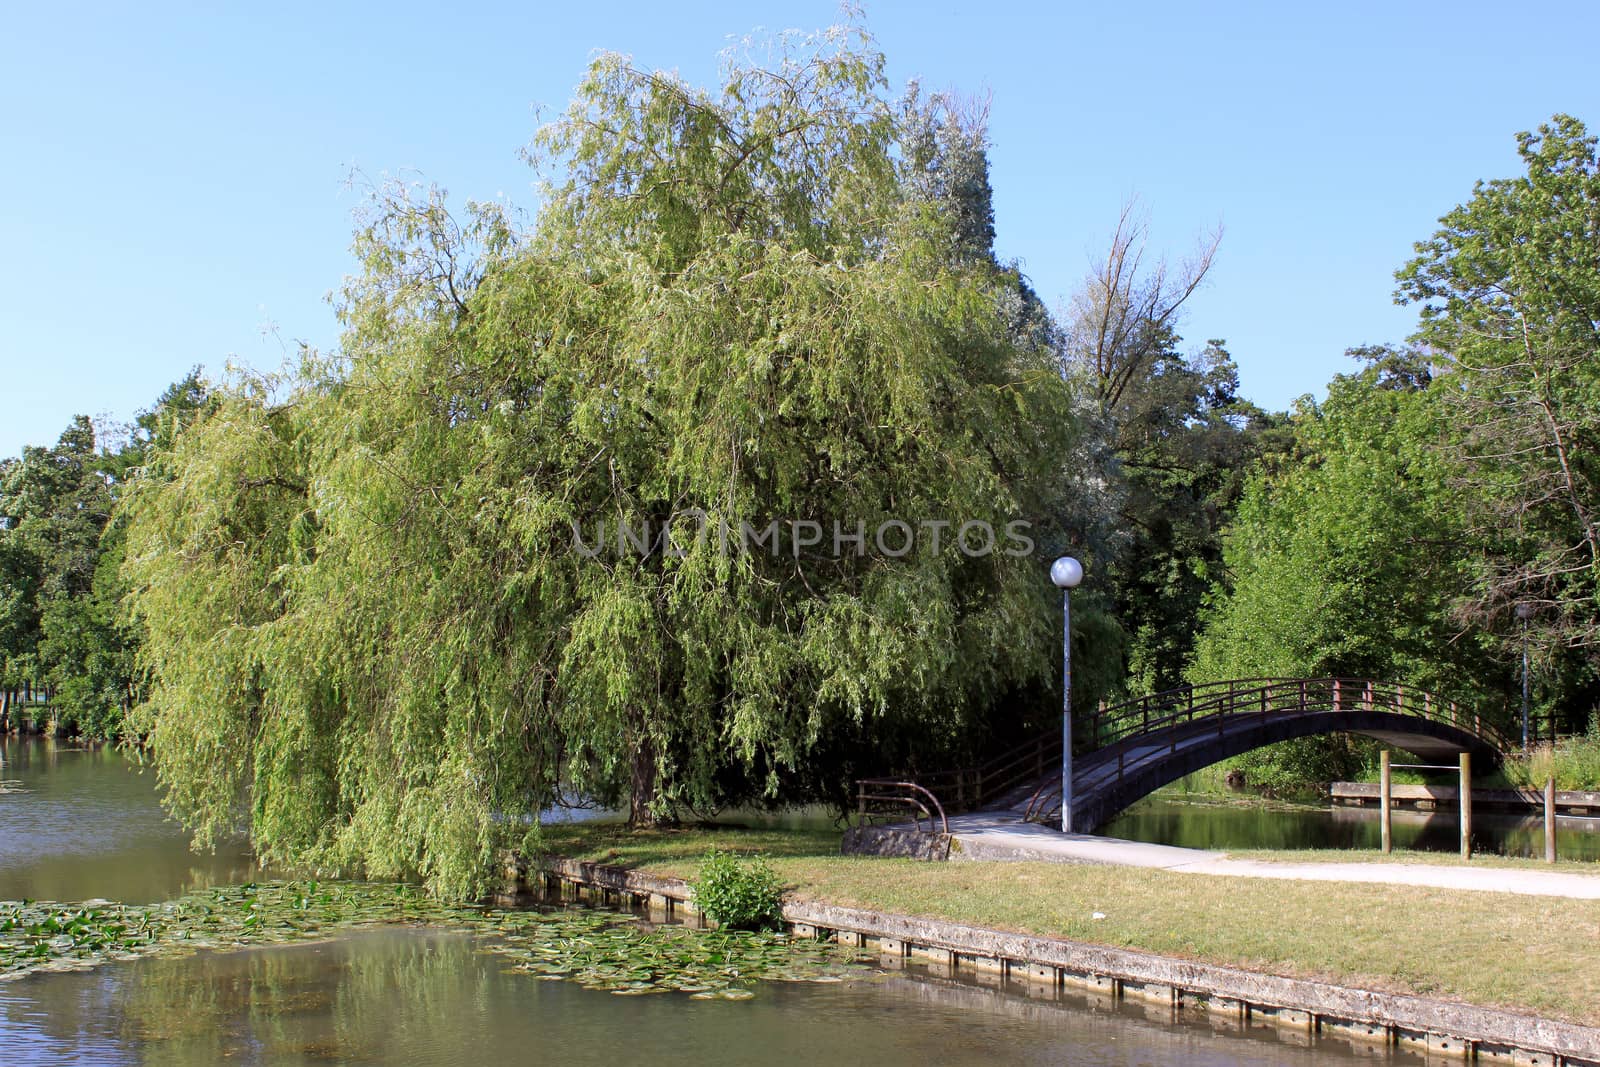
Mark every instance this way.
x=1511 y=1031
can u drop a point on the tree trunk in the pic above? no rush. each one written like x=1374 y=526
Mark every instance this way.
x=642 y=794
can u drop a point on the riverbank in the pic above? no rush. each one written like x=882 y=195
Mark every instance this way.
x=1539 y=955
x=1308 y=1014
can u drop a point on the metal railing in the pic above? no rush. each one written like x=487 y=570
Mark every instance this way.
x=1242 y=696
x=892 y=797
x=967 y=788
x=1162 y=715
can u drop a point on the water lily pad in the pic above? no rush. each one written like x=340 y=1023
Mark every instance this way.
x=600 y=949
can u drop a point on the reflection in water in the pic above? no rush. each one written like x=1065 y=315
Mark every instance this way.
x=405 y=996
x=1196 y=823
x=85 y=822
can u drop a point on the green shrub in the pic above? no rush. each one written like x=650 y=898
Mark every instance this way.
x=738 y=894
x=1574 y=762
x=1306 y=763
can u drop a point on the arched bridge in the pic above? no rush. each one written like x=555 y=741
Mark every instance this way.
x=1126 y=751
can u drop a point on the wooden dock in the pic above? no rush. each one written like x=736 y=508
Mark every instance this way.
x=1427 y=797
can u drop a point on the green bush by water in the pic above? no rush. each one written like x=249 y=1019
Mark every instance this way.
x=1574 y=762
x=738 y=894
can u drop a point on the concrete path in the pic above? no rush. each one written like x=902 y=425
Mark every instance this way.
x=1006 y=837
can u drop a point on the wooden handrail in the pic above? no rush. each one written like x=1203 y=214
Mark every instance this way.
x=1159 y=713
x=1134 y=717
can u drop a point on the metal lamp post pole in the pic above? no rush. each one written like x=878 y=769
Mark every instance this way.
x=1524 y=610
x=1066 y=711
x=1066 y=573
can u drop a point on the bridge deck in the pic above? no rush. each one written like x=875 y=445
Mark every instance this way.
x=1108 y=779
x=1140 y=745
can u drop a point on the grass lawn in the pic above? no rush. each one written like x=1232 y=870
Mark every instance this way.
x=1534 y=954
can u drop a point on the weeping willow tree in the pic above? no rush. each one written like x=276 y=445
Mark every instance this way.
x=403 y=598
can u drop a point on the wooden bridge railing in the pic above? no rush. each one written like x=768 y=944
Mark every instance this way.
x=967 y=788
x=1163 y=713
x=1176 y=707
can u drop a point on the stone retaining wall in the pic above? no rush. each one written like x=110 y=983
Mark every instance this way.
x=1225 y=995
x=895 y=841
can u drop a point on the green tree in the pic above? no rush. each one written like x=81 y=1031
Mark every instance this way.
x=86 y=655
x=1349 y=560
x=363 y=585
x=54 y=503
x=945 y=165
x=945 y=168
x=1167 y=441
x=1183 y=441
x=62 y=628
x=1509 y=296
x=19 y=621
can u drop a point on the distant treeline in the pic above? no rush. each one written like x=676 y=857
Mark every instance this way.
x=67 y=644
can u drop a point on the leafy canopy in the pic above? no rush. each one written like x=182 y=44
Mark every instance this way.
x=372 y=639
x=1508 y=290
x=62 y=628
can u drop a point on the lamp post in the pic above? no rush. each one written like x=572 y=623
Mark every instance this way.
x=1066 y=573
x=1524 y=612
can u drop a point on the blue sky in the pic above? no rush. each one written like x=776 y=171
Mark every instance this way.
x=172 y=189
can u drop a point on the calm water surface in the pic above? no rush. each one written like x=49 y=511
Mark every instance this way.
x=413 y=997
x=76 y=824
x=1172 y=819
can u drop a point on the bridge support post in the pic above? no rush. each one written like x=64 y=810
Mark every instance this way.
x=1466 y=805
x=1549 y=820
x=1385 y=801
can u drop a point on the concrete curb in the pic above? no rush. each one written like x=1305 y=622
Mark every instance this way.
x=1441 y=1027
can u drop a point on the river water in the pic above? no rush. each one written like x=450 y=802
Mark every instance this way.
x=1196 y=822
x=79 y=824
